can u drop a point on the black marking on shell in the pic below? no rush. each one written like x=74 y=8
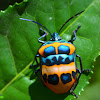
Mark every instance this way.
x=53 y=79
x=66 y=78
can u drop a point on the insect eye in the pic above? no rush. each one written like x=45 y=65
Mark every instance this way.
x=63 y=49
x=49 y=51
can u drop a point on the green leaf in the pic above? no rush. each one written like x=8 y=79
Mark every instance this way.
x=19 y=43
x=91 y=93
x=5 y=3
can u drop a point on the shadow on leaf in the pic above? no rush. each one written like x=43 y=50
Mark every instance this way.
x=38 y=91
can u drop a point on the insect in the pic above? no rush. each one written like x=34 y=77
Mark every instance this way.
x=58 y=66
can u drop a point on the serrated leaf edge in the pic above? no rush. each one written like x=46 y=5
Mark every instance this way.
x=11 y=6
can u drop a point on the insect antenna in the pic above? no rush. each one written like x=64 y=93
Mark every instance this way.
x=36 y=23
x=70 y=19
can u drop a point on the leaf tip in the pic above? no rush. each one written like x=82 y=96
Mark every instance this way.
x=94 y=60
x=16 y=3
x=79 y=93
x=91 y=72
x=92 y=66
x=10 y=6
x=2 y=11
x=87 y=82
x=82 y=89
x=25 y=0
x=74 y=97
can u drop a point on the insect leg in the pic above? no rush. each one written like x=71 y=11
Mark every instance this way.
x=82 y=70
x=77 y=80
x=71 y=91
x=37 y=72
x=37 y=64
x=74 y=34
x=75 y=84
x=45 y=33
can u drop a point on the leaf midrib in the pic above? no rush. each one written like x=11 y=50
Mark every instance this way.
x=76 y=19
x=16 y=77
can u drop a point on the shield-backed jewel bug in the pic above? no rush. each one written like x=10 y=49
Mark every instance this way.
x=58 y=66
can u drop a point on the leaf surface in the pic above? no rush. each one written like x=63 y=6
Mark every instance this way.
x=19 y=45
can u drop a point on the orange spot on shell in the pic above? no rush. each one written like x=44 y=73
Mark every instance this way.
x=56 y=45
x=60 y=88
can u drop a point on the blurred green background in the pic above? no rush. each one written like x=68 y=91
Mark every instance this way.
x=92 y=90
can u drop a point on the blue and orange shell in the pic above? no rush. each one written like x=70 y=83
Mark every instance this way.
x=58 y=65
